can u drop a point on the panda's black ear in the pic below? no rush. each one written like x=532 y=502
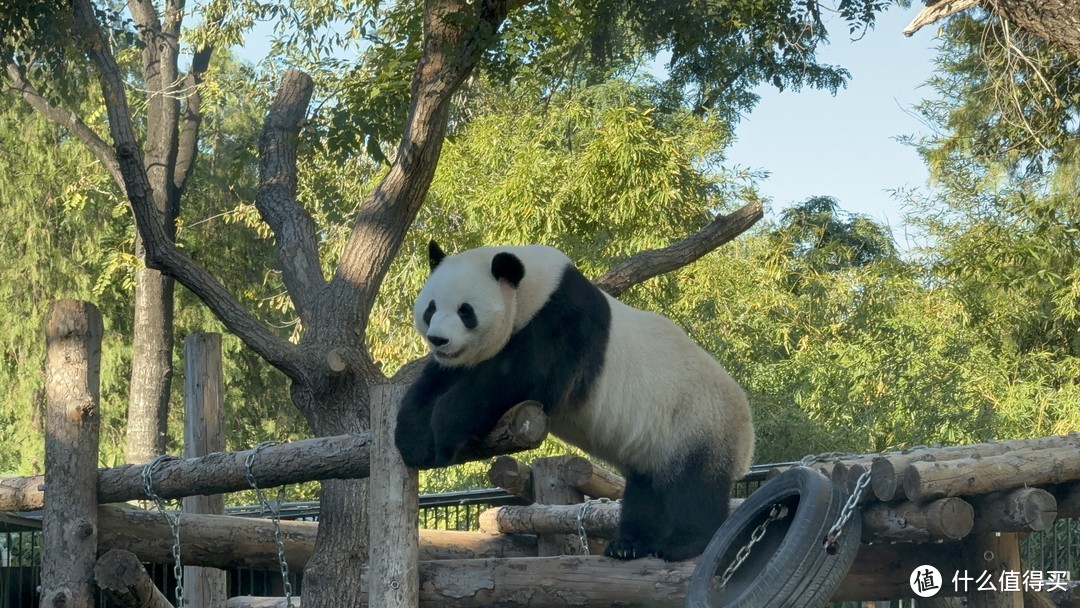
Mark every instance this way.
x=507 y=267
x=435 y=255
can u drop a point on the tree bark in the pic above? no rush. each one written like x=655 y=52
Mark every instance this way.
x=338 y=457
x=1056 y=22
x=151 y=366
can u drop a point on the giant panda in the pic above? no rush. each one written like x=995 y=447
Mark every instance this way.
x=509 y=324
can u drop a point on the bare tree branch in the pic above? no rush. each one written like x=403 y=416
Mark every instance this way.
x=188 y=148
x=935 y=11
x=161 y=252
x=67 y=119
x=160 y=52
x=293 y=226
x=648 y=264
x=455 y=35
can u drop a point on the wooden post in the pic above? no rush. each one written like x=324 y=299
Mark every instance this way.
x=204 y=422
x=394 y=510
x=72 y=392
x=550 y=489
x=993 y=557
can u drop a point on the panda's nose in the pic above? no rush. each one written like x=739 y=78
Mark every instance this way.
x=438 y=340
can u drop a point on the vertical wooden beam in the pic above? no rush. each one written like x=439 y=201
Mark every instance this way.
x=550 y=489
x=991 y=556
x=72 y=422
x=204 y=422
x=393 y=576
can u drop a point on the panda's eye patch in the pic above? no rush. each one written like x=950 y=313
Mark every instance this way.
x=429 y=312
x=467 y=315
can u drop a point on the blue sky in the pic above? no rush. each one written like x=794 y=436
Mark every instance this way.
x=844 y=146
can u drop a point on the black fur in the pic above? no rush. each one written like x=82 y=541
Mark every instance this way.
x=555 y=359
x=507 y=267
x=671 y=516
x=435 y=255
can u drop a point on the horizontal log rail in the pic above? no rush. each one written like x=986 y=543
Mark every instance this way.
x=880 y=572
x=340 y=457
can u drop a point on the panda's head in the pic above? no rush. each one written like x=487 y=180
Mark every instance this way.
x=467 y=308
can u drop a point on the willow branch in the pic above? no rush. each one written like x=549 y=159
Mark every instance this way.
x=67 y=119
x=648 y=264
x=161 y=252
x=293 y=226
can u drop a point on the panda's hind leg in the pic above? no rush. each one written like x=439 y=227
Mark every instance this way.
x=696 y=503
x=640 y=519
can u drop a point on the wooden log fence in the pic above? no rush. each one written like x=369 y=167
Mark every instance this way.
x=880 y=572
x=316 y=459
x=982 y=495
x=228 y=541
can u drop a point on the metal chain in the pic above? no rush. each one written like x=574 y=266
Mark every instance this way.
x=583 y=538
x=777 y=512
x=174 y=522
x=833 y=537
x=275 y=516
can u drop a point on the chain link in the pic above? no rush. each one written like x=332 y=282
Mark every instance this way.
x=776 y=513
x=275 y=515
x=833 y=537
x=174 y=522
x=583 y=538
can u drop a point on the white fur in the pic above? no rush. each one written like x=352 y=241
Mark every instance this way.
x=659 y=394
x=501 y=310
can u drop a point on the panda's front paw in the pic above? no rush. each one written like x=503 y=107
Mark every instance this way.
x=628 y=548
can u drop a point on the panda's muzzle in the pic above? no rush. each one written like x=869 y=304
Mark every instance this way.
x=438 y=341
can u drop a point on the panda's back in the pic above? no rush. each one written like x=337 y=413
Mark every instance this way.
x=659 y=397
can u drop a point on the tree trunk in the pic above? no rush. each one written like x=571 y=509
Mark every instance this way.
x=151 y=366
x=1057 y=22
x=332 y=575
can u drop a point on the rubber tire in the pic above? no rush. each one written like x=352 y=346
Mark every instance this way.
x=789 y=567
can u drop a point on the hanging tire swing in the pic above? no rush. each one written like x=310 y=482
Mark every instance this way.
x=773 y=551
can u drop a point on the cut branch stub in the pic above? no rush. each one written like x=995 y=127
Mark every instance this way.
x=125 y=582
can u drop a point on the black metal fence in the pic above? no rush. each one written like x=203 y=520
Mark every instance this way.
x=1056 y=549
